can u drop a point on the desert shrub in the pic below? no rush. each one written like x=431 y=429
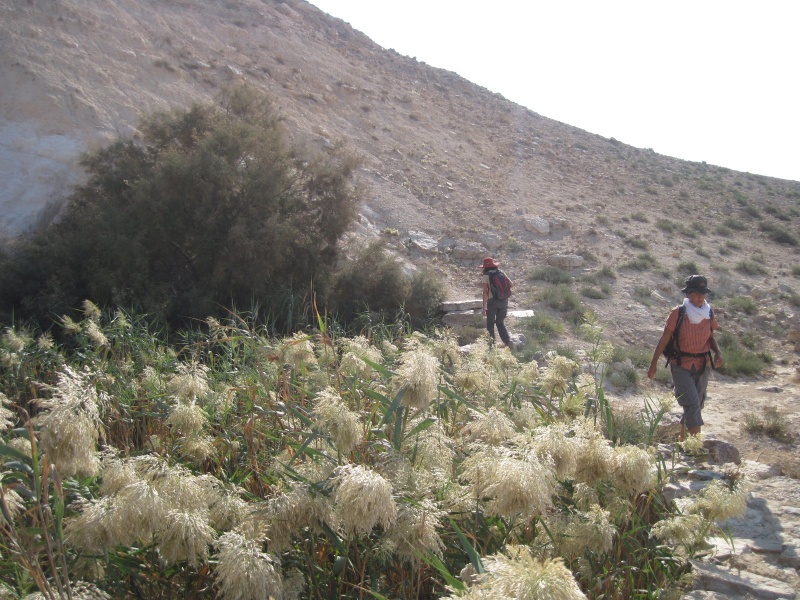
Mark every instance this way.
x=687 y=267
x=734 y=224
x=642 y=262
x=631 y=428
x=771 y=423
x=702 y=252
x=605 y=273
x=596 y=292
x=541 y=327
x=637 y=243
x=742 y=304
x=550 y=274
x=640 y=217
x=639 y=356
x=375 y=282
x=752 y=211
x=212 y=209
x=623 y=376
x=723 y=231
x=777 y=213
x=779 y=234
x=643 y=294
x=740 y=197
x=513 y=244
x=738 y=359
x=562 y=298
x=667 y=225
x=425 y=297
x=750 y=267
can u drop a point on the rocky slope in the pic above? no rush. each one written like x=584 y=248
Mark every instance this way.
x=451 y=172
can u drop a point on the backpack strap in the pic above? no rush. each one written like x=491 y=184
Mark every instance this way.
x=675 y=336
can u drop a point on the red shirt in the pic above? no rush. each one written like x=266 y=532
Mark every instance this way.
x=693 y=338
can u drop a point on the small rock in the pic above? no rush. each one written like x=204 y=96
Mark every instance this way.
x=469 y=251
x=565 y=261
x=422 y=242
x=790 y=557
x=771 y=388
x=739 y=584
x=721 y=451
x=757 y=471
x=537 y=225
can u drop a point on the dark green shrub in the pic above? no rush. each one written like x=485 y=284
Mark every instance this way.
x=742 y=304
x=562 y=298
x=596 y=293
x=750 y=267
x=687 y=267
x=734 y=223
x=643 y=262
x=637 y=243
x=211 y=209
x=550 y=274
x=425 y=297
x=541 y=327
x=374 y=281
x=781 y=235
x=723 y=231
x=738 y=359
x=604 y=273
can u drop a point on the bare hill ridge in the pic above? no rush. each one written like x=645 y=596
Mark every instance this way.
x=441 y=155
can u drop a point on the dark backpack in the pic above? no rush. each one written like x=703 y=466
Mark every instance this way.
x=672 y=349
x=499 y=284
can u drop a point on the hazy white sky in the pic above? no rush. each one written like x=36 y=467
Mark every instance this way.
x=702 y=80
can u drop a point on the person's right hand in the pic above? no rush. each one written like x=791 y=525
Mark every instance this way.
x=651 y=372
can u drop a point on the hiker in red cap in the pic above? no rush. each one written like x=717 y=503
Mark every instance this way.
x=496 y=290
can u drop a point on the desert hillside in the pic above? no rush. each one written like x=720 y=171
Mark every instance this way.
x=452 y=171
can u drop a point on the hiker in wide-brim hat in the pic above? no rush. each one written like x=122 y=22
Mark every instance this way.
x=496 y=290
x=687 y=342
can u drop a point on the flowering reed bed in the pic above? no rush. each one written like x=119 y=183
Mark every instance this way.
x=240 y=465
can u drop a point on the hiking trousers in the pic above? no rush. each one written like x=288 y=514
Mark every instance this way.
x=690 y=391
x=496 y=315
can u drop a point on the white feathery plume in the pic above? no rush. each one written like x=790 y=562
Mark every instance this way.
x=718 y=502
x=6 y=415
x=186 y=535
x=332 y=417
x=517 y=574
x=493 y=428
x=363 y=500
x=71 y=426
x=189 y=383
x=414 y=532
x=419 y=373
x=244 y=572
x=634 y=469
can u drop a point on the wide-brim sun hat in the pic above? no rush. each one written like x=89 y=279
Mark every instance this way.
x=489 y=263
x=696 y=283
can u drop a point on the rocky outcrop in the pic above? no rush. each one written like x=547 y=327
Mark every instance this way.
x=757 y=555
x=565 y=261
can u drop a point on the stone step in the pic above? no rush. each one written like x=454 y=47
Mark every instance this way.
x=739 y=584
x=461 y=305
